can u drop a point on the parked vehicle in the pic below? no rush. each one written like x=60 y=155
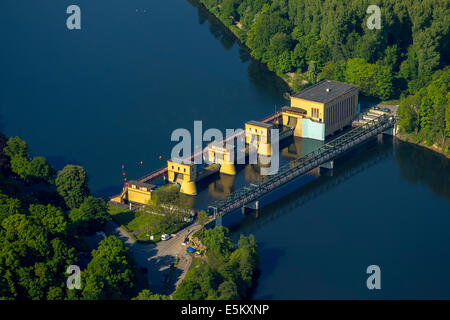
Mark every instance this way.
x=165 y=237
x=191 y=250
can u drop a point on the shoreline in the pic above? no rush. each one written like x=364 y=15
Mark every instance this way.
x=401 y=137
x=199 y=4
x=407 y=139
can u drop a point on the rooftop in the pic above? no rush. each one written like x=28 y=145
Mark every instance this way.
x=260 y=124
x=294 y=109
x=325 y=91
x=141 y=184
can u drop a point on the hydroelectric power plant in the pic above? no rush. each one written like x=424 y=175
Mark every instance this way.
x=327 y=113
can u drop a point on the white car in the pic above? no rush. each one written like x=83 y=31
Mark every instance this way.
x=165 y=237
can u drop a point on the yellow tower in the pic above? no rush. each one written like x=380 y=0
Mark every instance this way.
x=259 y=134
x=217 y=153
x=184 y=174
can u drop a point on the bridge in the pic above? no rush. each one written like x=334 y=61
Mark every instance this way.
x=298 y=167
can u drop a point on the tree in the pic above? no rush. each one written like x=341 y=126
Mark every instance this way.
x=202 y=218
x=147 y=295
x=200 y=283
x=228 y=291
x=110 y=273
x=91 y=215
x=55 y=293
x=40 y=169
x=20 y=166
x=408 y=112
x=72 y=185
x=8 y=206
x=49 y=217
x=217 y=240
x=167 y=194
x=4 y=159
x=16 y=147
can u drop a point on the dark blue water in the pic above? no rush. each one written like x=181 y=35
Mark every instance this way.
x=111 y=94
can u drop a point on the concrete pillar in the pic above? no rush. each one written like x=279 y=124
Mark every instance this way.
x=188 y=187
x=228 y=168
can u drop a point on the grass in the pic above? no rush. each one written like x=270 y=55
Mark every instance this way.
x=121 y=216
x=142 y=221
x=141 y=224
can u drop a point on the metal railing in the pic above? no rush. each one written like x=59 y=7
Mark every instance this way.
x=300 y=166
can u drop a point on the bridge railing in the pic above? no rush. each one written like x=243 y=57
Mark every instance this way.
x=302 y=165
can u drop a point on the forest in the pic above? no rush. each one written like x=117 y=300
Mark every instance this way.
x=228 y=273
x=45 y=217
x=305 y=41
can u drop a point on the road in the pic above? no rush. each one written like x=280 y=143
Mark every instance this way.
x=157 y=258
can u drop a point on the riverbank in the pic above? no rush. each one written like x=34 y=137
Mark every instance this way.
x=434 y=147
x=289 y=77
x=235 y=31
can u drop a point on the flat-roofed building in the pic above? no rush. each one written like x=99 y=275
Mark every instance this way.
x=322 y=109
x=259 y=134
x=139 y=192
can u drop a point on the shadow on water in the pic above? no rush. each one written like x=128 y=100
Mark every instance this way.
x=59 y=162
x=2 y=124
x=258 y=73
x=346 y=167
x=271 y=257
x=429 y=168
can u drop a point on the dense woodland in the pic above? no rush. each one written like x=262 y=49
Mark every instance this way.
x=45 y=217
x=229 y=273
x=304 y=41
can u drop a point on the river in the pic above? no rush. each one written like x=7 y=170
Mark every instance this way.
x=111 y=94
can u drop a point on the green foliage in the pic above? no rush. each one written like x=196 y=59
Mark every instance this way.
x=32 y=171
x=20 y=166
x=109 y=275
x=147 y=295
x=39 y=169
x=8 y=206
x=4 y=159
x=168 y=194
x=32 y=260
x=202 y=218
x=218 y=243
x=91 y=215
x=72 y=185
x=49 y=217
x=16 y=147
x=426 y=113
x=290 y=34
x=231 y=279
x=408 y=112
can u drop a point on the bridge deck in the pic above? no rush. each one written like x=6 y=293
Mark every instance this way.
x=302 y=165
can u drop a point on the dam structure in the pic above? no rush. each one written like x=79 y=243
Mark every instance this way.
x=328 y=112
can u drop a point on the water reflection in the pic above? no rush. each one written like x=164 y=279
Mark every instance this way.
x=349 y=165
x=258 y=73
x=220 y=186
x=419 y=165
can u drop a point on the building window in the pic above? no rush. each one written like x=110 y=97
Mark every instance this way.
x=314 y=112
